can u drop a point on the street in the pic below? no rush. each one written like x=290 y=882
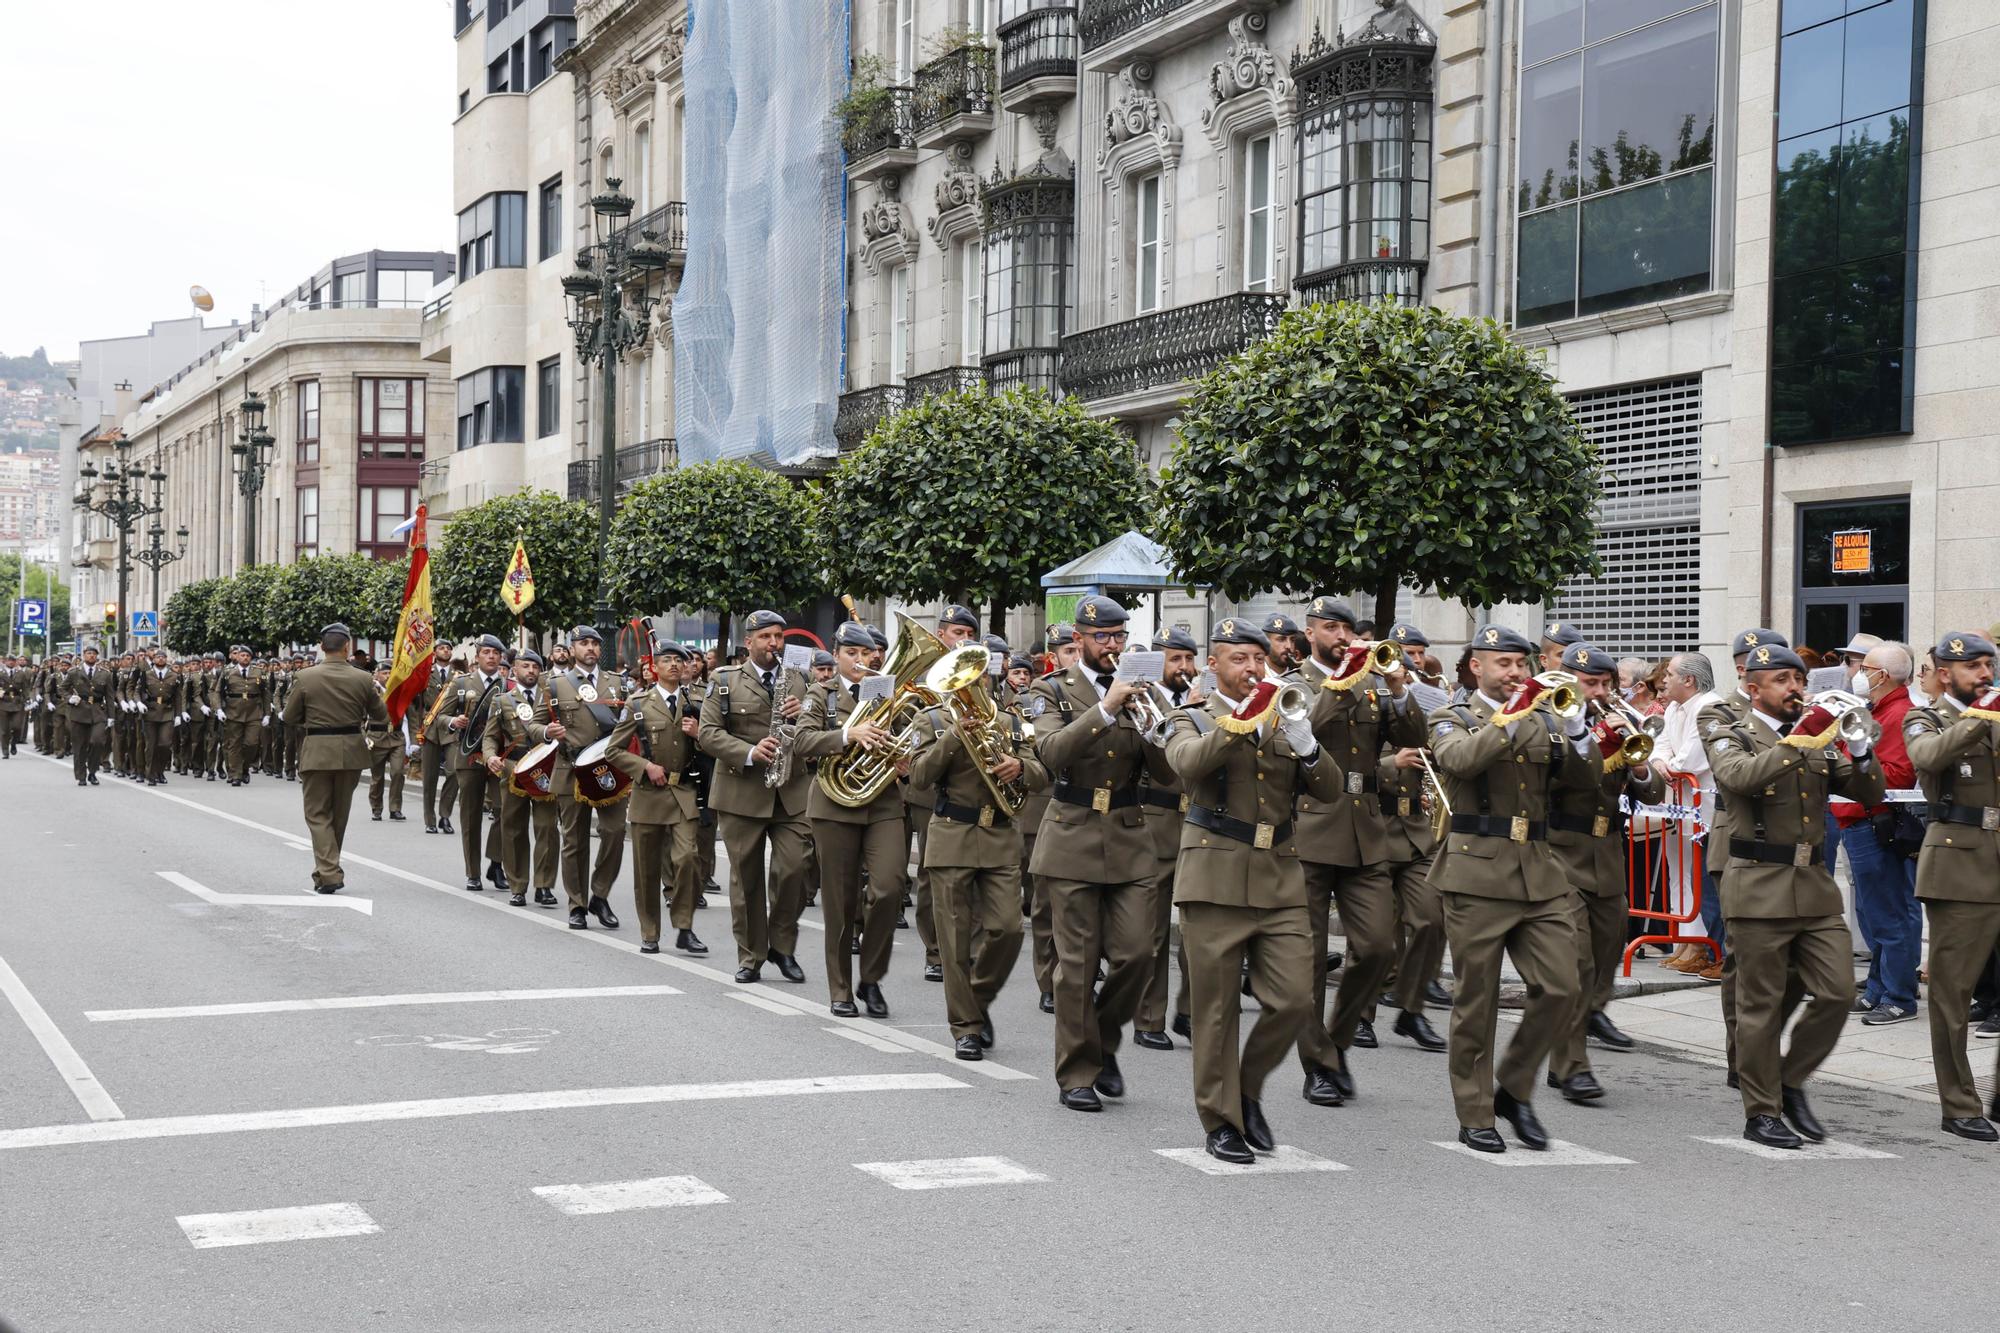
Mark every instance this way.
x=413 y=1107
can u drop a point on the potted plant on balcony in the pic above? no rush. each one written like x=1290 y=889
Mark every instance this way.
x=863 y=112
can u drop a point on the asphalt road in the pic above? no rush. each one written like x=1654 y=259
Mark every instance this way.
x=411 y=1162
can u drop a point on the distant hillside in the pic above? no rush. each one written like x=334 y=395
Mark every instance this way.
x=20 y=371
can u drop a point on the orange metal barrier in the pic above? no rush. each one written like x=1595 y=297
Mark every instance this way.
x=1653 y=854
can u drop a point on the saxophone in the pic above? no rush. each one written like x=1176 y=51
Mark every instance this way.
x=780 y=771
x=431 y=716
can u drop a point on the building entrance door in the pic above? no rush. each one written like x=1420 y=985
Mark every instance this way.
x=1853 y=572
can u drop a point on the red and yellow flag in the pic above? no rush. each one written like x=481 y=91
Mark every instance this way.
x=416 y=631
x=517 y=589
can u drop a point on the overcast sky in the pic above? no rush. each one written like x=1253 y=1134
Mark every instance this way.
x=146 y=145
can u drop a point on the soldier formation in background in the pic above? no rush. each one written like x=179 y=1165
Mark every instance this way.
x=1263 y=783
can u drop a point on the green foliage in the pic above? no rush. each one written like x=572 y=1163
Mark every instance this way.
x=381 y=604
x=722 y=536
x=1369 y=447
x=470 y=557
x=189 y=614
x=862 y=113
x=976 y=496
x=241 y=609
x=316 y=592
x=42 y=585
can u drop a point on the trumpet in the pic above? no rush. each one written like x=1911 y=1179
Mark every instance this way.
x=1851 y=720
x=1293 y=703
x=1559 y=694
x=1626 y=746
x=1149 y=707
x=1379 y=657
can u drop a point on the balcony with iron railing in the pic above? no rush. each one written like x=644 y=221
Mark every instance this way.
x=862 y=410
x=881 y=138
x=953 y=98
x=633 y=464
x=1165 y=349
x=1113 y=33
x=1368 y=281
x=1038 y=58
x=668 y=225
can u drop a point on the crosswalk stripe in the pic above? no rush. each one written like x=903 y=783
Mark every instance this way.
x=943 y=1173
x=371 y=1002
x=1558 y=1153
x=619 y=1196
x=1829 y=1151
x=265 y=1226
x=1284 y=1158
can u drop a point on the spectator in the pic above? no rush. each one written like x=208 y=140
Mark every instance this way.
x=1364 y=631
x=1926 y=683
x=1689 y=687
x=1881 y=845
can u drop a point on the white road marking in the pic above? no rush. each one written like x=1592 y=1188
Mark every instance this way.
x=868 y=1039
x=619 y=1196
x=90 y=1094
x=174 y=877
x=372 y=1002
x=944 y=1173
x=263 y=1226
x=1829 y=1151
x=1284 y=1158
x=1558 y=1153
x=768 y=1006
x=309 y=1117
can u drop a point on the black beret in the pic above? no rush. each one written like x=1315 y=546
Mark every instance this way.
x=1499 y=639
x=1755 y=638
x=1589 y=660
x=239 y=648
x=1020 y=662
x=1403 y=632
x=1563 y=632
x=955 y=614
x=1773 y=657
x=1234 y=630
x=853 y=634
x=1175 y=640
x=757 y=620
x=672 y=648
x=1963 y=646
x=1330 y=608
x=1096 y=612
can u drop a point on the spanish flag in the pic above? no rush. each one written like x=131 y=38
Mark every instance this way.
x=416 y=631
x=517 y=590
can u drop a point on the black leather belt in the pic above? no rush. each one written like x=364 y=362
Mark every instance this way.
x=1513 y=828
x=1361 y=784
x=1242 y=830
x=985 y=816
x=1096 y=798
x=1975 y=816
x=1597 y=826
x=1777 y=853
x=333 y=731
x=1397 y=805
x=1163 y=800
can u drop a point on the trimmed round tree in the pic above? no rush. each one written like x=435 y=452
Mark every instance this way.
x=1376 y=447
x=974 y=496
x=723 y=536
x=381 y=604
x=241 y=612
x=316 y=592
x=470 y=558
x=188 y=614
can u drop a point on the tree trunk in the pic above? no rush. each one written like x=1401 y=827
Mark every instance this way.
x=1385 y=604
x=722 y=636
x=996 y=617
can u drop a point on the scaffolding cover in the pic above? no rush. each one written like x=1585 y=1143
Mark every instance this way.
x=758 y=318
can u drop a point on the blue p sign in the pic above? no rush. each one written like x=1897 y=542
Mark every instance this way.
x=31 y=616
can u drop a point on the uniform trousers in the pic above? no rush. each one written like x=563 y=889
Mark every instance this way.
x=1040 y=926
x=476 y=789
x=440 y=781
x=1600 y=923
x=704 y=851
x=1152 y=1015
x=1112 y=922
x=10 y=730
x=159 y=744
x=87 y=741
x=520 y=816
x=920 y=827
x=239 y=744
x=385 y=776
x=1276 y=941
x=1540 y=938
x=1963 y=937
x=979 y=937
x=583 y=878
x=764 y=910
x=329 y=796
x=662 y=864
x=1366 y=897
x=1772 y=956
x=845 y=850
x=1420 y=956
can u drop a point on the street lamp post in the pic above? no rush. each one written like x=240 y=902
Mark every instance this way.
x=253 y=459
x=604 y=332
x=121 y=502
x=155 y=556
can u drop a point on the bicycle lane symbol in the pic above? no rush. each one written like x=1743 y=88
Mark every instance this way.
x=500 y=1041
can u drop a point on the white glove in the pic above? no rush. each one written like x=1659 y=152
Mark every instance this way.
x=1576 y=726
x=1859 y=748
x=1299 y=735
x=204 y=710
x=264 y=721
x=75 y=699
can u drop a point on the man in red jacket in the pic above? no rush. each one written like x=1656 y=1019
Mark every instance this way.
x=1881 y=843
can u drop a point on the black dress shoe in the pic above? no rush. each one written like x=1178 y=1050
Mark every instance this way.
x=1800 y=1113
x=93 y=780
x=746 y=975
x=1080 y=1099
x=474 y=886
x=986 y=1031
x=700 y=901
x=1153 y=1041
x=1419 y=1030
x=579 y=919
x=601 y=909
x=496 y=875
x=871 y=995
x=375 y=816
x=855 y=947
x=845 y=1009
x=517 y=900
x=788 y=966
x=82 y=782
x=968 y=1048
x=1527 y=1126
x=1226 y=1145
x=1975 y=1127
x=1581 y=1086
x=328 y=888
x=688 y=942
x=933 y=971
x=1110 y=1082
x=1601 y=1027
x=1321 y=1089
x=1364 y=1035
x=444 y=826
x=1732 y=1080
x=1256 y=1129
x=1342 y=1080
x=902 y=921
x=395 y=816
x=1048 y=1003
x=1771 y=1132
x=649 y=946
x=430 y=828
x=1482 y=1140
x=1182 y=1025
x=545 y=897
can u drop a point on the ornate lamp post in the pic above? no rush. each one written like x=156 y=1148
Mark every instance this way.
x=155 y=556
x=253 y=460
x=605 y=332
x=119 y=500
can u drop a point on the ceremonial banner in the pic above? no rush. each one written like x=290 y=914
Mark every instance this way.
x=518 y=588
x=416 y=632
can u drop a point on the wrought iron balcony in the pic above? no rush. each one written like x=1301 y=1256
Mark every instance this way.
x=669 y=225
x=1116 y=32
x=949 y=379
x=1026 y=368
x=1168 y=347
x=953 y=99
x=862 y=410
x=634 y=463
x=1038 y=58
x=1370 y=282
x=883 y=139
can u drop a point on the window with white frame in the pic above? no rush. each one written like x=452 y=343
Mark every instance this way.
x=972 y=291
x=642 y=167
x=1259 y=209
x=899 y=322
x=1147 y=229
x=906 y=39
x=976 y=18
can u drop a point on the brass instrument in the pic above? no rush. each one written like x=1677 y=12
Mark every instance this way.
x=1634 y=747
x=858 y=775
x=430 y=717
x=958 y=680
x=1292 y=701
x=1434 y=801
x=1559 y=694
x=1149 y=706
x=780 y=770
x=1373 y=657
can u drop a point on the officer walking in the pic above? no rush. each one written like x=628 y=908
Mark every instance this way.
x=87 y=692
x=662 y=813
x=336 y=707
x=241 y=699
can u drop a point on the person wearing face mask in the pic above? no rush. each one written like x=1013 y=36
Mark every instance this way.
x=1881 y=843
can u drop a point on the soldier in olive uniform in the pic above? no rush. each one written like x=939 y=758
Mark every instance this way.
x=516 y=726
x=88 y=693
x=1239 y=886
x=340 y=714
x=469 y=702
x=434 y=757
x=1096 y=854
x=1399 y=776
x=1955 y=748
x=1587 y=830
x=15 y=688
x=159 y=693
x=240 y=697
x=957 y=625
x=1783 y=908
x=662 y=813
x=1061 y=641
x=1165 y=805
x=746 y=704
x=586 y=702
x=386 y=763
x=872 y=841
x=1502 y=757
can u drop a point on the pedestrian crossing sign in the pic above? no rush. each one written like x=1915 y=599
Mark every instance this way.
x=145 y=624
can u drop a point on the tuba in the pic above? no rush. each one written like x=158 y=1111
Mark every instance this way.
x=958 y=681
x=858 y=775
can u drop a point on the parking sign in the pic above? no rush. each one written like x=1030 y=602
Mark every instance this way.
x=31 y=616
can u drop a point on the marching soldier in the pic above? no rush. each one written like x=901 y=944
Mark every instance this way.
x=386 y=765
x=1412 y=850
x=1283 y=634
x=1782 y=908
x=739 y=727
x=241 y=698
x=16 y=686
x=1502 y=757
x=1165 y=805
x=1096 y=854
x=435 y=767
x=1238 y=883
x=662 y=813
x=1587 y=830
x=1955 y=748
x=1061 y=642
x=518 y=724
x=586 y=701
x=158 y=692
x=88 y=692
x=871 y=842
x=290 y=762
x=956 y=627
x=1558 y=638
x=336 y=708
x=468 y=703
x=700 y=769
